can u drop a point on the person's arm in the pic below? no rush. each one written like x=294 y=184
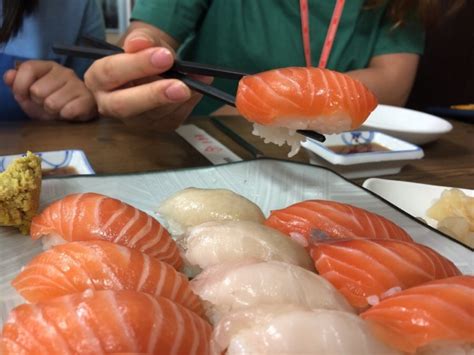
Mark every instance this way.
x=390 y=77
x=391 y=71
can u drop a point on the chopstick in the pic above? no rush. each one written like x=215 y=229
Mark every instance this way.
x=102 y=49
x=238 y=139
x=84 y=52
x=178 y=66
x=208 y=70
x=312 y=135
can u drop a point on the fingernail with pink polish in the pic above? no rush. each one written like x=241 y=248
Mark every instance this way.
x=162 y=58
x=177 y=92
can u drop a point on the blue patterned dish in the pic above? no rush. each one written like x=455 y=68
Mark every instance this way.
x=72 y=162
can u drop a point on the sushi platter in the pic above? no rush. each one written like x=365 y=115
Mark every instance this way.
x=253 y=179
x=254 y=194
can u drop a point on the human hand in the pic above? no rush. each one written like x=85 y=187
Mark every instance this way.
x=45 y=90
x=128 y=86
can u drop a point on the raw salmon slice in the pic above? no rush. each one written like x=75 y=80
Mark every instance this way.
x=91 y=216
x=313 y=220
x=365 y=271
x=100 y=322
x=99 y=265
x=438 y=313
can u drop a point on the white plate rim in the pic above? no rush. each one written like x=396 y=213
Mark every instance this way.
x=447 y=125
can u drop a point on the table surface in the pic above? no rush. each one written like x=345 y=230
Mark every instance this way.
x=113 y=147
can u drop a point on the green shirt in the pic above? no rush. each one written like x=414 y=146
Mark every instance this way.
x=258 y=35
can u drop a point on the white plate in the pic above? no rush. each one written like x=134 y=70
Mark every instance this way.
x=413 y=198
x=410 y=125
x=55 y=160
x=271 y=184
x=357 y=165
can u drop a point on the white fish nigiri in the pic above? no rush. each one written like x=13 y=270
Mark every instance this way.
x=229 y=287
x=287 y=329
x=214 y=243
x=193 y=206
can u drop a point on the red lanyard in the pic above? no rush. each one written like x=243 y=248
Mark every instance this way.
x=330 y=35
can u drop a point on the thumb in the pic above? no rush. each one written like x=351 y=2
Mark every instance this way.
x=140 y=39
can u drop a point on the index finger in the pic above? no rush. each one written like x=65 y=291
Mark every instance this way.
x=115 y=71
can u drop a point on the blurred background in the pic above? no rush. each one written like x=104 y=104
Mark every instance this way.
x=117 y=17
x=446 y=73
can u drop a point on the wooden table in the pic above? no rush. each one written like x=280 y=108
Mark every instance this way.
x=113 y=147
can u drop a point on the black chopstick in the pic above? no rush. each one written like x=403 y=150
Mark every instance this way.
x=312 y=135
x=178 y=66
x=238 y=139
x=208 y=70
x=84 y=52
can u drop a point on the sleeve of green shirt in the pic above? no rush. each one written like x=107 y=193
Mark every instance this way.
x=406 y=38
x=178 y=18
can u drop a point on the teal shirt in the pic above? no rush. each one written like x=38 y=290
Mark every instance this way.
x=258 y=35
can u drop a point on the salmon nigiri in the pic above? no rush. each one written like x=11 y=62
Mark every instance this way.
x=367 y=270
x=99 y=265
x=92 y=216
x=310 y=221
x=437 y=314
x=100 y=322
x=281 y=101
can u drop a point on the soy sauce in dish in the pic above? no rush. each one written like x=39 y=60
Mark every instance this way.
x=358 y=148
x=67 y=170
